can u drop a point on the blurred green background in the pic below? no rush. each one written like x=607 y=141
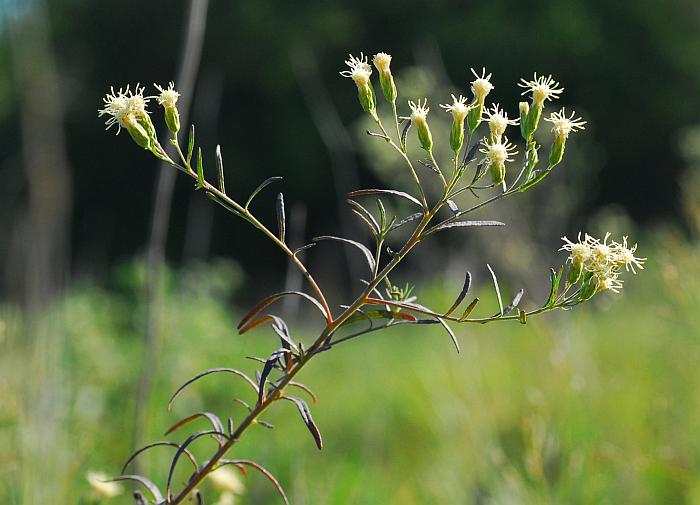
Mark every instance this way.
x=598 y=405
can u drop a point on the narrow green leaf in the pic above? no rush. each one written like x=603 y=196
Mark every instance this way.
x=496 y=288
x=200 y=169
x=469 y=310
x=220 y=169
x=262 y=186
x=190 y=145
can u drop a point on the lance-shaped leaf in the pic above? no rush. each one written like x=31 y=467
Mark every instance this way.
x=163 y=443
x=380 y=314
x=308 y=420
x=281 y=219
x=216 y=423
x=405 y=220
x=282 y=331
x=366 y=216
x=273 y=298
x=262 y=186
x=469 y=310
x=450 y=332
x=220 y=169
x=361 y=247
x=271 y=362
x=404 y=132
x=470 y=155
x=496 y=288
x=480 y=170
x=555 y=279
x=209 y=372
x=179 y=453
x=253 y=464
x=401 y=194
x=465 y=289
x=190 y=144
x=429 y=165
x=152 y=488
x=462 y=224
x=200 y=169
x=514 y=303
x=304 y=388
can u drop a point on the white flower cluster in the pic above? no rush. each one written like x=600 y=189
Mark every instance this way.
x=602 y=259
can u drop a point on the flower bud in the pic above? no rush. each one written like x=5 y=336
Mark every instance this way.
x=360 y=73
x=498 y=172
x=138 y=132
x=382 y=61
x=419 y=117
x=524 y=125
x=168 y=99
x=533 y=117
x=556 y=153
x=457 y=136
x=575 y=270
x=459 y=110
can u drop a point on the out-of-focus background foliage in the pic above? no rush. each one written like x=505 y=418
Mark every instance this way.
x=599 y=405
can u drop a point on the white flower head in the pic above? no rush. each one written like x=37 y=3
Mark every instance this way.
x=459 y=108
x=360 y=70
x=124 y=106
x=381 y=62
x=542 y=88
x=580 y=252
x=498 y=120
x=498 y=151
x=168 y=96
x=419 y=111
x=610 y=282
x=563 y=125
x=225 y=479
x=101 y=486
x=481 y=86
x=625 y=256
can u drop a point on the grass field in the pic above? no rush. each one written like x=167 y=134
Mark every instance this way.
x=599 y=405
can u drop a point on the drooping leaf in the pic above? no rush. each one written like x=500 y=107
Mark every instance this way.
x=465 y=289
x=162 y=443
x=263 y=304
x=450 y=332
x=220 y=170
x=365 y=215
x=262 y=186
x=303 y=248
x=304 y=388
x=429 y=165
x=361 y=247
x=308 y=420
x=480 y=169
x=253 y=464
x=209 y=372
x=281 y=219
x=152 y=488
x=462 y=224
x=496 y=288
x=365 y=192
x=213 y=419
